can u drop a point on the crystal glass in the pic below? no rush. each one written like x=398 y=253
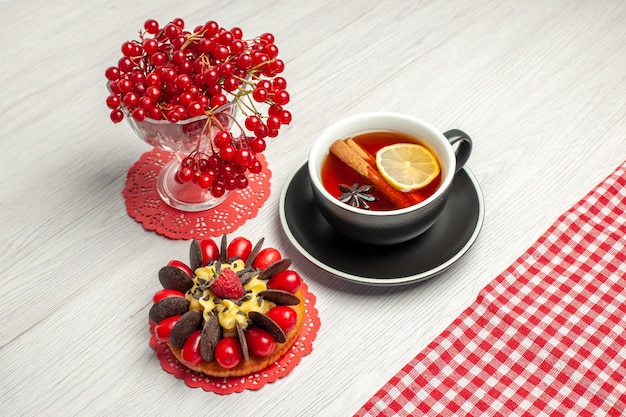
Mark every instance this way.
x=182 y=138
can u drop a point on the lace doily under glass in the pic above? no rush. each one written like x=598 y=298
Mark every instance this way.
x=145 y=206
x=302 y=346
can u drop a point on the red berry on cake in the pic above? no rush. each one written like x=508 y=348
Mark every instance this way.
x=227 y=285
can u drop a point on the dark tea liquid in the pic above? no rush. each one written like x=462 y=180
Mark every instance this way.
x=335 y=172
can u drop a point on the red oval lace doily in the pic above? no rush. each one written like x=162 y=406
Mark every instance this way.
x=144 y=204
x=302 y=346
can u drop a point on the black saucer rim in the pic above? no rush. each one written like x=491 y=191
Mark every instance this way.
x=386 y=281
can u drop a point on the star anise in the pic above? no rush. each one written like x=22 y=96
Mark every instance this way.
x=356 y=196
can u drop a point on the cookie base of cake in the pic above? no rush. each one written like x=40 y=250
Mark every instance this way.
x=255 y=363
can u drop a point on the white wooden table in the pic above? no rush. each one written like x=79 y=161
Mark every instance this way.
x=539 y=85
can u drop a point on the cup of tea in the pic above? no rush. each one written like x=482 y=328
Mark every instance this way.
x=383 y=178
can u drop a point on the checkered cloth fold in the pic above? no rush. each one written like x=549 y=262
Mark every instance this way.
x=546 y=338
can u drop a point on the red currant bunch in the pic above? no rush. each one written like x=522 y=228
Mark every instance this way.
x=174 y=74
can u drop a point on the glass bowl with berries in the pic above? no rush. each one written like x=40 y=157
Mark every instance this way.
x=209 y=96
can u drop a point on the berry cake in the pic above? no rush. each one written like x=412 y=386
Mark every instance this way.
x=232 y=312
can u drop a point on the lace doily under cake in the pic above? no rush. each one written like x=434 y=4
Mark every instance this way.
x=146 y=207
x=302 y=346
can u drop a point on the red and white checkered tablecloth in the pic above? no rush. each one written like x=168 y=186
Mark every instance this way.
x=546 y=338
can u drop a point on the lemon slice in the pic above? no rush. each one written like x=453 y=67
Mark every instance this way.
x=407 y=166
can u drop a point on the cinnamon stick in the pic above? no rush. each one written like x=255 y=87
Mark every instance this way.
x=371 y=159
x=355 y=160
x=361 y=152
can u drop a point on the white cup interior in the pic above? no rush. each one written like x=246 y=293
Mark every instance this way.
x=381 y=121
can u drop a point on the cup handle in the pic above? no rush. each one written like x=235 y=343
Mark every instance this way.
x=464 y=149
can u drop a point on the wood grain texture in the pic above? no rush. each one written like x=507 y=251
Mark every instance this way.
x=539 y=85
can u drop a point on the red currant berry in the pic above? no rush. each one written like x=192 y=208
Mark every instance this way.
x=285 y=117
x=195 y=109
x=173 y=116
x=150 y=46
x=145 y=102
x=124 y=85
x=256 y=167
x=217 y=190
x=138 y=114
x=206 y=180
x=274 y=109
x=273 y=122
x=261 y=131
x=222 y=138
x=152 y=80
x=271 y=51
x=113 y=101
x=112 y=73
x=203 y=100
x=186 y=98
x=154 y=113
x=151 y=26
x=267 y=38
x=153 y=93
x=183 y=81
x=210 y=28
x=185 y=174
x=226 y=38
x=230 y=184
x=226 y=170
x=218 y=100
x=117 y=115
x=260 y=95
x=237 y=32
x=226 y=68
x=242 y=182
x=168 y=75
x=140 y=89
x=227 y=153
x=171 y=31
x=258 y=59
x=130 y=99
x=125 y=64
x=205 y=45
x=258 y=144
x=265 y=84
x=275 y=67
x=252 y=122
x=244 y=61
x=215 y=161
x=243 y=157
x=220 y=52
x=185 y=68
x=281 y=97
x=230 y=83
x=188 y=161
x=158 y=58
x=179 y=56
x=179 y=22
x=211 y=76
x=213 y=89
x=128 y=49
